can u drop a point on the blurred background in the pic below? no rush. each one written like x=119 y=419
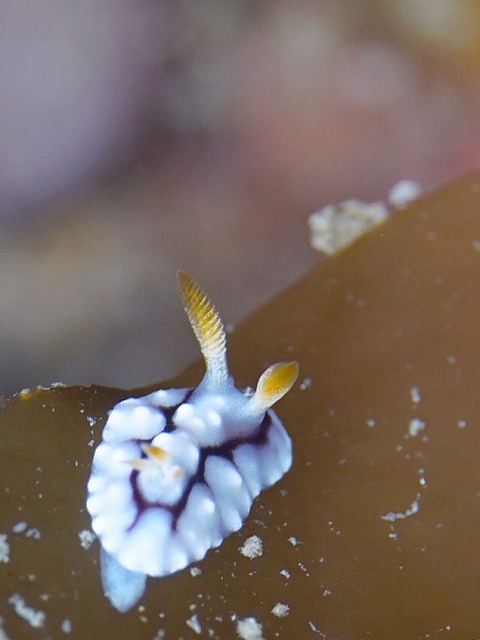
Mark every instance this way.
x=142 y=136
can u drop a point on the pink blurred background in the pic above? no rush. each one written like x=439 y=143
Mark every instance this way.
x=141 y=136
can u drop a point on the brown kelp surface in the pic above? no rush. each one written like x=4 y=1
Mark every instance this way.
x=374 y=531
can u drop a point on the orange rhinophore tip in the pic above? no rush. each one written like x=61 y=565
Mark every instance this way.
x=275 y=382
x=207 y=326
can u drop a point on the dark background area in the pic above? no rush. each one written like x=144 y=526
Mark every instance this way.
x=138 y=137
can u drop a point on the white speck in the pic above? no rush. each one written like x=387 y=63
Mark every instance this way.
x=91 y=442
x=412 y=509
x=370 y=423
x=33 y=533
x=476 y=245
x=21 y=527
x=86 y=538
x=160 y=635
x=252 y=547
x=333 y=529
x=423 y=482
x=34 y=617
x=194 y=624
x=294 y=541
x=415 y=427
x=451 y=359
x=285 y=573
x=461 y=424
x=91 y=420
x=195 y=571
x=281 y=610
x=327 y=592
x=3 y=635
x=314 y=628
x=303 y=568
x=336 y=226
x=4 y=548
x=307 y=382
x=415 y=396
x=249 y=629
x=404 y=192
x=67 y=626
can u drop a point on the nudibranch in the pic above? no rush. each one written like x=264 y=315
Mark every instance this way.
x=178 y=469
